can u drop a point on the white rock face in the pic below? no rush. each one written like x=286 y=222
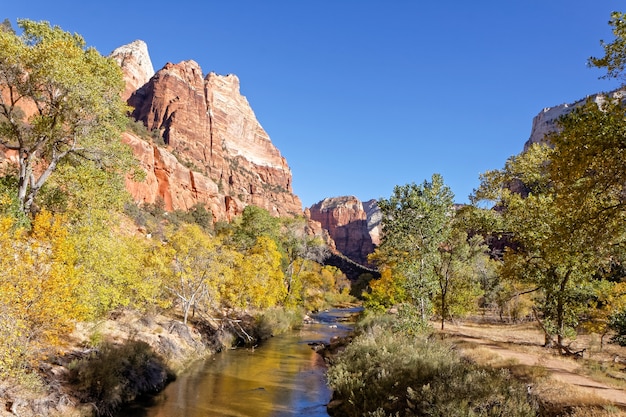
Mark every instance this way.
x=226 y=103
x=374 y=220
x=135 y=62
x=546 y=121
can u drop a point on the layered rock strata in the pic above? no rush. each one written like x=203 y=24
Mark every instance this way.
x=215 y=151
x=355 y=230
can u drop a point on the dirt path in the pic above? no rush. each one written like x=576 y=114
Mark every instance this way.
x=522 y=344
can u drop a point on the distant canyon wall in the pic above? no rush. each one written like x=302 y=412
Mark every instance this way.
x=546 y=121
x=354 y=226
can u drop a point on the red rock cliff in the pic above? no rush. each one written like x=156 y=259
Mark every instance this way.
x=216 y=151
x=354 y=230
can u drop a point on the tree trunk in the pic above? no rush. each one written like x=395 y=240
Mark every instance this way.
x=548 y=339
x=22 y=184
x=185 y=313
x=560 y=311
x=443 y=308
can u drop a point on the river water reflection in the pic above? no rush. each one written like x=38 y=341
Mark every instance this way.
x=282 y=378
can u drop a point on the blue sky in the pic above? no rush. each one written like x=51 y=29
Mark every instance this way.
x=363 y=95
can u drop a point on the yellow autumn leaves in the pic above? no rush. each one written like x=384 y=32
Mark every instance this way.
x=59 y=272
x=39 y=289
x=206 y=274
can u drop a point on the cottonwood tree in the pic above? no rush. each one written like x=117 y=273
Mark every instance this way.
x=426 y=257
x=614 y=62
x=614 y=59
x=196 y=269
x=41 y=295
x=250 y=279
x=253 y=223
x=457 y=274
x=300 y=249
x=566 y=216
x=261 y=280
x=59 y=103
x=416 y=221
x=566 y=220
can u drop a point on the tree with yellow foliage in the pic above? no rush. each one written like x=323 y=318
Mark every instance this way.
x=196 y=270
x=60 y=104
x=40 y=289
x=262 y=276
x=386 y=291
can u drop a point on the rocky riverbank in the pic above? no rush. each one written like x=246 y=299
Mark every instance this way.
x=111 y=362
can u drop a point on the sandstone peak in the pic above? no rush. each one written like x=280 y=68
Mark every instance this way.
x=374 y=220
x=331 y=203
x=188 y=71
x=211 y=130
x=228 y=82
x=136 y=65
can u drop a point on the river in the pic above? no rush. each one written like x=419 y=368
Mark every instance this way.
x=284 y=377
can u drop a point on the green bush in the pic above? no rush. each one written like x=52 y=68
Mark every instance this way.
x=9 y=202
x=617 y=323
x=383 y=373
x=197 y=214
x=138 y=128
x=276 y=321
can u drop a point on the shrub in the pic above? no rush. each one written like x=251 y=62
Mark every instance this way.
x=276 y=321
x=383 y=373
x=138 y=128
x=617 y=323
x=117 y=374
x=9 y=202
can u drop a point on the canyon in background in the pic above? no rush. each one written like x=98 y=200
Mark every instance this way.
x=214 y=152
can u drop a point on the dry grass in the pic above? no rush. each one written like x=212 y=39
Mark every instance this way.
x=591 y=386
x=610 y=373
x=557 y=398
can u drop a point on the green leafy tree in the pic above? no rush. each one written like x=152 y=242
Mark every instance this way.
x=614 y=59
x=298 y=247
x=9 y=203
x=416 y=222
x=617 y=322
x=458 y=275
x=253 y=223
x=60 y=103
x=90 y=197
x=565 y=220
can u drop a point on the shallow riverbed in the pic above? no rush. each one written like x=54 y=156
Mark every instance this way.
x=283 y=377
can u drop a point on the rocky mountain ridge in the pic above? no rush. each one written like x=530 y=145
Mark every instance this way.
x=546 y=121
x=215 y=151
